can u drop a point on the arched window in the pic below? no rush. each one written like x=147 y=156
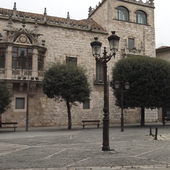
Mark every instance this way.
x=140 y=17
x=122 y=13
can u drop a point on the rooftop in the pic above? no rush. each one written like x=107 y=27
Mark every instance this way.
x=15 y=15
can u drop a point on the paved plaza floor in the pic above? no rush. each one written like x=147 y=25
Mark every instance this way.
x=57 y=148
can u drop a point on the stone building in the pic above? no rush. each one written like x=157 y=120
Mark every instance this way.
x=29 y=42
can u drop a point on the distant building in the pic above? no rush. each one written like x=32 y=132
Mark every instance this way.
x=29 y=42
x=163 y=52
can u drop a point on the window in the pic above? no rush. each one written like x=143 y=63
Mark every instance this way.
x=140 y=17
x=99 y=71
x=71 y=59
x=21 y=58
x=20 y=103
x=2 y=57
x=130 y=43
x=86 y=105
x=40 y=61
x=122 y=13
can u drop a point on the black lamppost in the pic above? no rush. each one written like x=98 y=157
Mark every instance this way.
x=123 y=87
x=96 y=50
x=28 y=94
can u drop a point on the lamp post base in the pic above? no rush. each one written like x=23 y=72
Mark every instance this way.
x=106 y=148
x=105 y=132
x=122 y=124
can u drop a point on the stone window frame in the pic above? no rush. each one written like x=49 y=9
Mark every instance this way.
x=8 y=64
x=26 y=58
x=99 y=76
x=141 y=12
x=71 y=59
x=16 y=102
x=124 y=9
x=19 y=95
x=86 y=105
x=131 y=38
x=90 y=104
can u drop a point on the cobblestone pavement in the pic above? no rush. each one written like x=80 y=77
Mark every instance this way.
x=56 y=148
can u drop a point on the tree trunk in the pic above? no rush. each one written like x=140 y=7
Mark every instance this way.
x=142 y=116
x=69 y=114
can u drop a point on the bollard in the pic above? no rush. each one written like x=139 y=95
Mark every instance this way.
x=156 y=133
x=150 y=130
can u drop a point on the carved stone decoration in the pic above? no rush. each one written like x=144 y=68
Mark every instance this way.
x=140 y=1
x=10 y=86
x=28 y=73
x=151 y=2
x=22 y=35
x=14 y=10
x=36 y=27
x=2 y=71
x=21 y=85
x=15 y=72
x=134 y=51
x=32 y=89
x=40 y=73
x=10 y=23
x=23 y=39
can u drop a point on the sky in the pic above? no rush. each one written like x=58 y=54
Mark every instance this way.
x=78 y=9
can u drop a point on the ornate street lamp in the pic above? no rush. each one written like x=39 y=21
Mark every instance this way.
x=96 y=51
x=122 y=87
x=27 y=81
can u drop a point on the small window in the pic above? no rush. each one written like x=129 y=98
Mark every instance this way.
x=130 y=43
x=20 y=103
x=99 y=71
x=140 y=17
x=2 y=57
x=71 y=59
x=86 y=105
x=122 y=13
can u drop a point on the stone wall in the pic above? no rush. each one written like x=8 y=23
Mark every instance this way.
x=65 y=41
x=128 y=29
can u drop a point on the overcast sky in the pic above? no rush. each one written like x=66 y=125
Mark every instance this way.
x=78 y=9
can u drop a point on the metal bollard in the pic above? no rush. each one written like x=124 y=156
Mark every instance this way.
x=150 y=130
x=156 y=133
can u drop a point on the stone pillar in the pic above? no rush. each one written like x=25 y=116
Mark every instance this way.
x=8 y=63
x=35 y=63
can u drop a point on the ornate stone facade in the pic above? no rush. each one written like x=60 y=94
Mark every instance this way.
x=58 y=38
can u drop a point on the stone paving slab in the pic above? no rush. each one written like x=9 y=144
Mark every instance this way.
x=80 y=149
x=158 y=167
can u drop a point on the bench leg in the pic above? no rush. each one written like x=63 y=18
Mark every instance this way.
x=83 y=126
x=98 y=125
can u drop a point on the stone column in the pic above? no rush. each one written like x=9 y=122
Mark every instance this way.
x=8 y=63
x=35 y=63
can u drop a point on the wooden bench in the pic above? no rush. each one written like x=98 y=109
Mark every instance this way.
x=7 y=125
x=90 y=122
x=165 y=119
